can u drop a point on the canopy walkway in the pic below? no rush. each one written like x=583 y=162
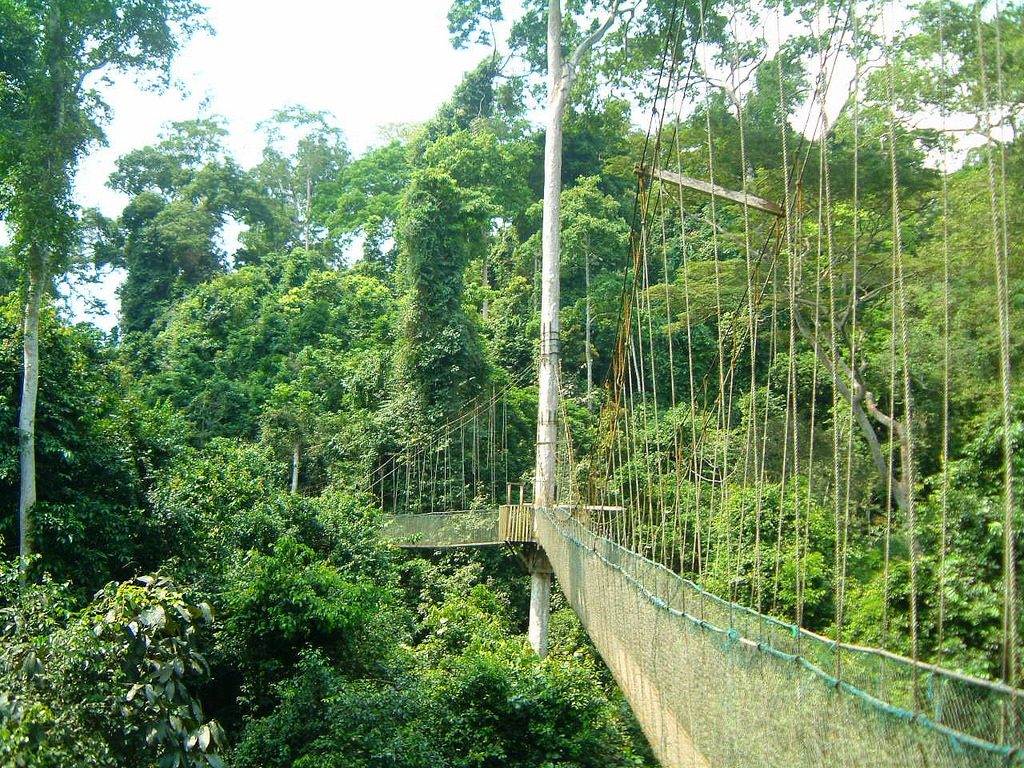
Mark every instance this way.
x=716 y=684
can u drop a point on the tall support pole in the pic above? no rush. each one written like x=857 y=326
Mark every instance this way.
x=561 y=73
x=544 y=490
x=540 y=611
x=541 y=575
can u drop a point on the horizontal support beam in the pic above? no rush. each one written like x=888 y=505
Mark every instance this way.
x=751 y=201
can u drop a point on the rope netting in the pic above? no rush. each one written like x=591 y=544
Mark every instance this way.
x=715 y=684
x=443 y=530
x=472 y=461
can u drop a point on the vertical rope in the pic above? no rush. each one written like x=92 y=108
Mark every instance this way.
x=833 y=347
x=946 y=344
x=853 y=299
x=907 y=438
x=752 y=448
x=791 y=431
x=1010 y=643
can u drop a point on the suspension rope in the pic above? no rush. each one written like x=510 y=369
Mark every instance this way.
x=997 y=194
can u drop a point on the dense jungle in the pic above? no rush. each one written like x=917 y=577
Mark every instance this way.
x=200 y=578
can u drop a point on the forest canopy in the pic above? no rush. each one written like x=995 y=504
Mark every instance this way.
x=198 y=577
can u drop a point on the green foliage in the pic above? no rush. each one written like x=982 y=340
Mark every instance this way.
x=276 y=605
x=594 y=144
x=468 y=695
x=595 y=252
x=329 y=650
x=230 y=499
x=49 y=118
x=442 y=359
x=327 y=721
x=467 y=18
x=113 y=684
x=9 y=275
x=212 y=502
x=304 y=155
x=471 y=103
x=288 y=573
x=186 y=149
x=942 y=60
x=183 y=189
x=367 y=194
x=50 y=115
x=291 y=324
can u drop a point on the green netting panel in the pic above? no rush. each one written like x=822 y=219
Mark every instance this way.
x=714 y=684
x=443 y=529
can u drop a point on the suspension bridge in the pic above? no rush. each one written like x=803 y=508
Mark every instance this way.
x=714 y=683
x=788 y=521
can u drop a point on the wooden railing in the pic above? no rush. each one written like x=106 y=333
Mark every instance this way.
x=515 y=523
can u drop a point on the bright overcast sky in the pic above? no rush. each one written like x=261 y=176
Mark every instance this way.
x=369 y=62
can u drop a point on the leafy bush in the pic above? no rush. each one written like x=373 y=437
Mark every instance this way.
x=278 y=605
x=469 y=695
x=327 y=721
x=111 y=685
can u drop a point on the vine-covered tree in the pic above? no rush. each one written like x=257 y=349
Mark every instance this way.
x=442 y=359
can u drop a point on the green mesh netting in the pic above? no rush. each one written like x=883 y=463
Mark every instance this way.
x=442 y=530
x=714 y=684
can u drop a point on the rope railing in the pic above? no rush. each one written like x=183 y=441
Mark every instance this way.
x=443 y=530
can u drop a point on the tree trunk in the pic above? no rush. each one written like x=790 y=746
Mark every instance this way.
x=589 y=345
x=485 y=281
x=296 y=456
x=560 y=80
x=862 y=403
x=27 y=414
x=309 y=206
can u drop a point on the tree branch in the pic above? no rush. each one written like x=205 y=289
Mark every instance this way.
x=901 y=487
x=583 y=48
x=858 y=397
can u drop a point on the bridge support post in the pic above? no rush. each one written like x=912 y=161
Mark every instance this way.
x=541 y=575
x=540 y=611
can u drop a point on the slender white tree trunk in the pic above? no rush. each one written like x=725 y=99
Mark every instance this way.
x=39 y=256
x=560 y=80
x=27 y=414
x=309 y=207
x=590 y=356
x=296 y=457
x=485 y=280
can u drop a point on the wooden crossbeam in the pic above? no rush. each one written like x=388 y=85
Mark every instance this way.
x=751 y=201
